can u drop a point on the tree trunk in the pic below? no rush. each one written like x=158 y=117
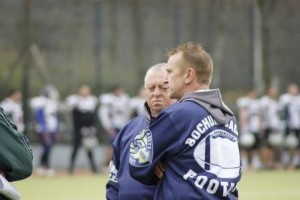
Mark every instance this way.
x=219 y=41
x=257 y=48
x=138 y=42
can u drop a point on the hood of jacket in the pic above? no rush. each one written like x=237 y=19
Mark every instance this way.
x=147 y=112
x=211 y=100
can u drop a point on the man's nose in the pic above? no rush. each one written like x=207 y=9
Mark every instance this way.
x=157 y=92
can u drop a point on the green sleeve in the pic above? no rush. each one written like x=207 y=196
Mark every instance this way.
x=15 y=152
x=3 y=197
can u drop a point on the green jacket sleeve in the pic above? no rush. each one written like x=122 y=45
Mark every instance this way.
x=15 y=152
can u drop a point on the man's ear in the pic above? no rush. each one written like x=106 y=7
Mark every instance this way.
x=189 y=75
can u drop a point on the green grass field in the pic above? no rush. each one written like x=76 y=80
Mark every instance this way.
x=263 y=185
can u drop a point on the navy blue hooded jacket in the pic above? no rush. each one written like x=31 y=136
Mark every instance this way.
x=121 y=185
x=196 y=139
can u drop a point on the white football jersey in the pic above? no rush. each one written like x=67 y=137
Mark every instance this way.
x=270 y=113
x=252 y=108
x=83 y=104
x=114 y=110
x=50 y=108
x=136 y=104
x=14 y=109
x=290 y=104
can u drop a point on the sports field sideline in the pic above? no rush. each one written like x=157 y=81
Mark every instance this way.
x=261 y=185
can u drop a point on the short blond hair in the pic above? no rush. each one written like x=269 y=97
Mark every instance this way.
x=197 y=58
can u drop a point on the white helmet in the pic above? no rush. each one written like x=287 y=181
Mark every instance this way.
x=247 y=139
x=275 y=139
x=89 y=140
x=291 y=141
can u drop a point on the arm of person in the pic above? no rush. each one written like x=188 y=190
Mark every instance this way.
x=15 y=152
x=150 y=147
x=104 y=116
x=112 y=186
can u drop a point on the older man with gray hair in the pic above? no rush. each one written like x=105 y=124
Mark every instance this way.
x=120 y=184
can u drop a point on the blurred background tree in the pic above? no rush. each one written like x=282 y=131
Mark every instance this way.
x=105 y=42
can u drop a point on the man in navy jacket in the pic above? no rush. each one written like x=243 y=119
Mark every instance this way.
x=196 y=139
x=120 y=184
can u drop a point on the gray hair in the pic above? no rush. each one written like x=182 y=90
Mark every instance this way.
x=157 y=67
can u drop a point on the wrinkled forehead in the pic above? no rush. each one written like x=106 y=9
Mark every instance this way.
x=158 y=78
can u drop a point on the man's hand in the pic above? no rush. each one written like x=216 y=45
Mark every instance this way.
x=159 y=170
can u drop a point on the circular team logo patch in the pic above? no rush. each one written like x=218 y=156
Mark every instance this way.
x=141 y=149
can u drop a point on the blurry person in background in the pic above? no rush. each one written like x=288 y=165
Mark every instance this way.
x=114 y=113
x=272 y=129
x=83 y=106
x=120 y=184
x=250 y=129
x=290 y=106
x=46 y=110
x=136 y=103
x=12 y=105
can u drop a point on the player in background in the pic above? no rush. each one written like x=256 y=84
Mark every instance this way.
x=46 y=110
x=136 y=103
x=250 y=129
x=114 y=113
x=290 y=105
x=83 y=107
x=120 y=184
x=196 y=139
x=272 y=129
x=12 y=105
